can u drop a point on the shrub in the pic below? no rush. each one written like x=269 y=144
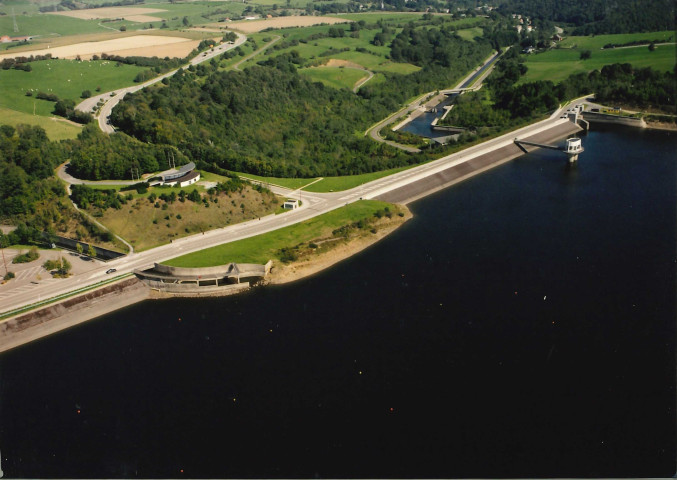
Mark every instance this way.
x=9 y=275
x=29 y=256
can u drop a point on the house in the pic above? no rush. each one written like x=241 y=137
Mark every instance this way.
x=186 y=175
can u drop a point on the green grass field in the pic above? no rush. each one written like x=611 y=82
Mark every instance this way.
x=470 y=33
x=65 y=78
x=334 y=77
x=556 y=65
x=598 y=41
x=374 y=59
x=261 y=248
x=56 y=128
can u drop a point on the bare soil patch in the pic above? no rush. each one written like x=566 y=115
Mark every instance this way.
x=150 y=44
x=335 y=62
x=109 y=12
x=252 y=26
x=142 y=18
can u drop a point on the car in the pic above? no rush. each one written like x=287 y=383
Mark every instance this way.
x=111 y=270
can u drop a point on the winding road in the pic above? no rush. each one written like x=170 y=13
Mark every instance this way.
x=113 y=98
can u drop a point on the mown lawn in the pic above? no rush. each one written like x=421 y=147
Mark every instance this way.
x=261 y=248
x=334 y=77
x=56 y=128
x=64 y=78
x=556 y=65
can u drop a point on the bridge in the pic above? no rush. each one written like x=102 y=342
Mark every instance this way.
x=572 y=149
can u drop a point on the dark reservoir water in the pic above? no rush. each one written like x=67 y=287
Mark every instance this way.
x=522 y=324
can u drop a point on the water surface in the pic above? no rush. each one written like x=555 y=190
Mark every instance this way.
x=522 y=324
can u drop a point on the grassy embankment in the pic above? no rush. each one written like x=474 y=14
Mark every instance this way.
x=147 y=224
x=557 y=64
x=296 y=238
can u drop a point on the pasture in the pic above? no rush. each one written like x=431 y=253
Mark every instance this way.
x=322 y=50
x=558 y=64
x=335 y=77
x=598 y=41
x=64 y=78
x=56 y=128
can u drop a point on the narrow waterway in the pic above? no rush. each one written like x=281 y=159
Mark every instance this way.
x=521 y=325
x=421 y=124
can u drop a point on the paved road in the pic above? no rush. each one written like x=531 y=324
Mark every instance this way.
x=313 y=204
x=114 y=97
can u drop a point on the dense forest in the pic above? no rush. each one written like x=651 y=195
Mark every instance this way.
x=599 y=16
x=270 y=120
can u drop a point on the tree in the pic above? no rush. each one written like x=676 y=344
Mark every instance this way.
x=86 y=94
x=79 y=248
x=652 y=46
x=185 y=21
x=585 y=54
x=91 y=251
x=123 y=28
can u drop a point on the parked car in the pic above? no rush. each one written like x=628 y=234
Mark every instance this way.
x=111 y=270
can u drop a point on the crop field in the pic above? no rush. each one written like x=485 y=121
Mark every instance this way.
x=55 y=127
x=251 y=26
x=556 y=65
x=144 y=45
x=64 y=78
x=261 y=248
x=334 y=77
x=32 y=22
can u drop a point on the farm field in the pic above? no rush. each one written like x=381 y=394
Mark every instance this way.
x=556 y=65
x=32 y=22
x=252 y=26
x=111 y=12
x=145 y=45
x=64 y=78
x=261 y=248
x=598 y=41
x=335 y=77
x=55 y=127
